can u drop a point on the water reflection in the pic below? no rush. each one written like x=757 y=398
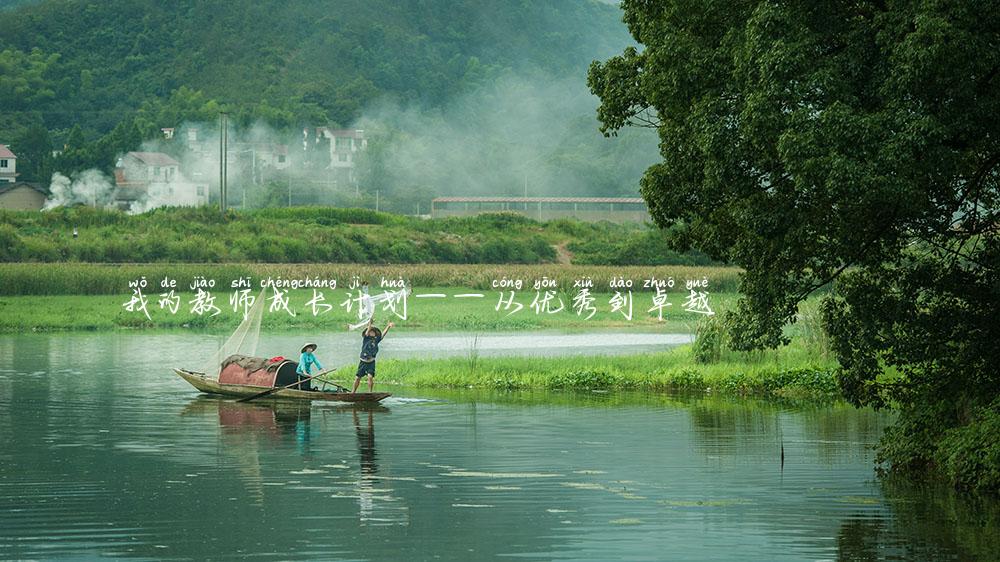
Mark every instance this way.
x=106 y=454
x=369 y=464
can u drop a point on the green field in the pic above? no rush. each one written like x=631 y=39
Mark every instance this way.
x=322 y=235
x=799 y=370
x=114 y=279
x=55 y=297
x=106 y=312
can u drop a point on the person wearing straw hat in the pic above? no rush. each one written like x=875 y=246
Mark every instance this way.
x=306 y=362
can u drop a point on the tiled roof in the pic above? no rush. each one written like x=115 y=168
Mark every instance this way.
x=5 y=187
x=154 y=158
x=353 y=133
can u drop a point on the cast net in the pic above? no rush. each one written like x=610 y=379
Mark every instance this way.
x=244 y=339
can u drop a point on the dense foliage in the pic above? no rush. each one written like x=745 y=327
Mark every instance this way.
x=91 y=62
x=456 y=98
x=859 y=142
x=303 y=235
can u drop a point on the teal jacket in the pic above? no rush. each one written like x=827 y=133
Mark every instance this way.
x=306 y=361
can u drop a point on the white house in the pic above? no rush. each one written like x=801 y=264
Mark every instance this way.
x=8 y=165
x=345 y=146
x=154 y=178
x=150 y=167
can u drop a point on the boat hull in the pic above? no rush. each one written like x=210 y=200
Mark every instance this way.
x=206 y=384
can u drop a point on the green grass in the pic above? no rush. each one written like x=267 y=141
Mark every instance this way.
x=113 y=279
x=106 y=312
x=794 y=371
x=322 y=235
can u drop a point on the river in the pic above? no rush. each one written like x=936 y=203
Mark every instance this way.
x=106 y=454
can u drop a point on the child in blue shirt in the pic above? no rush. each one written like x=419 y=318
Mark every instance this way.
x=370 y=339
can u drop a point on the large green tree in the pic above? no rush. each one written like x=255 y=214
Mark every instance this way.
x=849 y=142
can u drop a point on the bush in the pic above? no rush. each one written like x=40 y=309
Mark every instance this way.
x=501 y=221
x=191 y=250
x=11 y=246
x=328 y=216
x=970 y=455
x=498 y=251
x=709 y=340
x=687 y=380
x=584 y=379
x=39 y=249
x=501 y=238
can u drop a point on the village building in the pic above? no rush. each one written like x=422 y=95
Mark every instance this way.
x=345 y=147
x=22 y=196
x=257 y=161
x=8 y=165
x=155 y=177
x=591 y=209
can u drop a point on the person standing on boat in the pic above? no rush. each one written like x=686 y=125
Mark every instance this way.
x=370 y=339
x=306 y=362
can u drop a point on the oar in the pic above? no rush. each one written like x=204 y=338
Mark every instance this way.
x=276 y=389
x=335 y=385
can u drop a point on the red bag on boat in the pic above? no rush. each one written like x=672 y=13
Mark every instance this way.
x=277 y=359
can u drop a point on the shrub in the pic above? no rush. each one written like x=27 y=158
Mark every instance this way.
x=40 y=249
x=11 y=246
x=686 y=379
x=404 y=251
x=501 y=221
x=583 y=379
x=709 y=340
x=970 y=455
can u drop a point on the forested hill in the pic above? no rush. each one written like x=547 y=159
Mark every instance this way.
x=69 y=62
x=11 y=4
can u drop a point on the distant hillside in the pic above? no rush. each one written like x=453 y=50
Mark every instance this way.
x=290 y=62
x=11 y=4
x=457 y=97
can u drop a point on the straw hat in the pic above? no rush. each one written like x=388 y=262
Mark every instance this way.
x=312 y=345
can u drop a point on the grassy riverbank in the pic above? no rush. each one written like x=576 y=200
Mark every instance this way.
x=50 y=297
x=450 y=312
x=323 y=235
x=114 y=279
x=799 y=370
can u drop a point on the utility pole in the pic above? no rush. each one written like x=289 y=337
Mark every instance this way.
x=526 y=192
x=376 y=200
x=223 y=157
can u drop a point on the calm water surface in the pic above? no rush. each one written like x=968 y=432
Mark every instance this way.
x=104 y=453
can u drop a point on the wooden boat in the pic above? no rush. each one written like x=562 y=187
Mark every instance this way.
x=242 y=374
x=205 y=383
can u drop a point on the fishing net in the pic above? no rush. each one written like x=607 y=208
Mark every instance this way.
x=244 y=339
x=388 y=300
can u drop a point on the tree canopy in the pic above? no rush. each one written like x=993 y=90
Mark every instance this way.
x=475 y=97
x=847 y=142
x=77 y=61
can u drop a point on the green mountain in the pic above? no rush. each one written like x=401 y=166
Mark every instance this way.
x=69 y=62
x=458 y=97
x=11 y=4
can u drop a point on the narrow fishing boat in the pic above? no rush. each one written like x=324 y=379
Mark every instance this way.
x=242 y=375
x=208 y=384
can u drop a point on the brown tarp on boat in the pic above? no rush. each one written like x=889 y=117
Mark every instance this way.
x=253 y=371
x=248 y=363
